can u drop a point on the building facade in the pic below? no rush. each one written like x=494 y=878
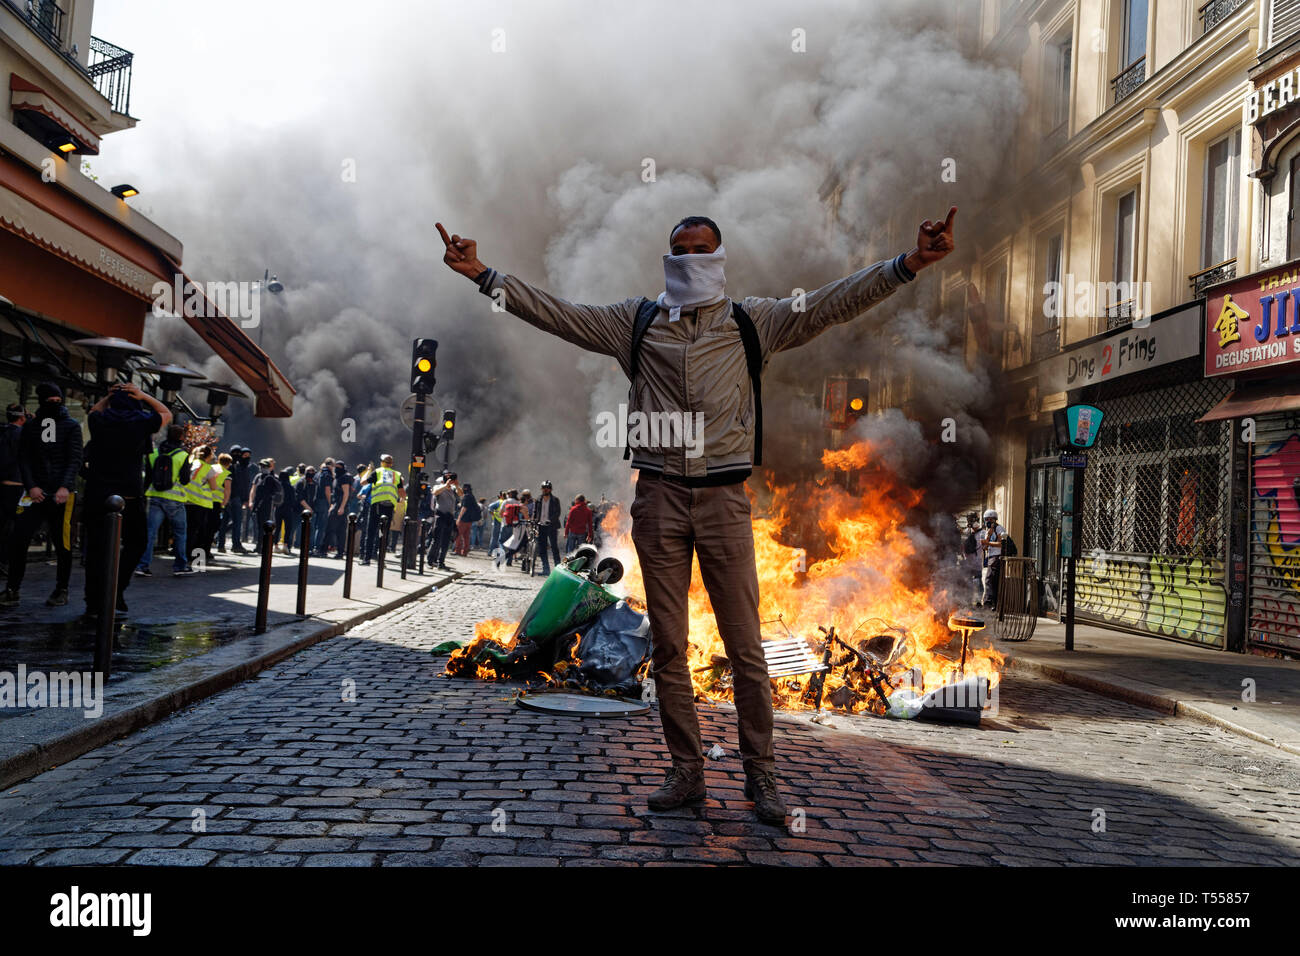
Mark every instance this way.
x=76 y=261
x=1155 y=164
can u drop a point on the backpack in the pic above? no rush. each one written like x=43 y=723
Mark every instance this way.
x=646 y=313
x=161 y=476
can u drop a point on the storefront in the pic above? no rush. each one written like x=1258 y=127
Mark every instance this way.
x=1156 y=487
x=1253 y=340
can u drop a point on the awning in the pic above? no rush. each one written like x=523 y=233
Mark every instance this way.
x=27 y=96
x=1256 y=400
x=253 y=366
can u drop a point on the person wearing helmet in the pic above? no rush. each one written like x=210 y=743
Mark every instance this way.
x=546 y=513
x=989 y=541
x=386 y=491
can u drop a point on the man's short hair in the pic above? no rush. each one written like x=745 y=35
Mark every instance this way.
x=175 y=432
x=15 y=412
x=697 y=221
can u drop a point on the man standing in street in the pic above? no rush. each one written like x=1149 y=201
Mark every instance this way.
x=385 y=492
x=168 y=470
x=49 y=459
x=445 y=494
x=340 y=497
x=264 y=500
x=546 y=513
x=577 y=525
x=699 y=357
x=122 y=423
x=989 y=542
x=233 y=519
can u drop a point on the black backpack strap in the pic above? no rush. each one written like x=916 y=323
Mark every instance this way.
x=754 y=359
x=645 y=314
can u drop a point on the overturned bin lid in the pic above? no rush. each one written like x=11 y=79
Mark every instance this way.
x=581 y=705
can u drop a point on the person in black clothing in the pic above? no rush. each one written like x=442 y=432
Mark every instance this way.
x=338 y=523
x=304 y=499
x=49 y=458
x=265 y=497
x=11 y=479
x=241 y=483
x=121 y=426
x=286 y=516
x=546 y=512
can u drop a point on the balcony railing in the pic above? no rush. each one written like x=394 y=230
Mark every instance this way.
x=110 y=71
x=1208 y=277
x=1215 y=12
x=1129 y=80
x=1120 y=314
x=45 y=17
x=1045 y=344
x=109 y=67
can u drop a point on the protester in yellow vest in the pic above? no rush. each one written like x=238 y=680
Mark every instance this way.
x=219 y=498
x=385 y=491
x=199 y=492
x=167 y=498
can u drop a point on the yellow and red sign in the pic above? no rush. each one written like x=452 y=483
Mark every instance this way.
x=1253 y=322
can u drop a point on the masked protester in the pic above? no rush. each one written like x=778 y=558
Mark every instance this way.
x=11 y=478
x=49 y=459
x=698 y=359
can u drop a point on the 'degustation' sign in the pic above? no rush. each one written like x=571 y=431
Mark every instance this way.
x=1253 y=322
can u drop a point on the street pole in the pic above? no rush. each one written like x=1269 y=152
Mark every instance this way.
x=108 y=599
x=1072 y=502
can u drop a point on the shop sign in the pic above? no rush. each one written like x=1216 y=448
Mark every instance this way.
x=1254 y=323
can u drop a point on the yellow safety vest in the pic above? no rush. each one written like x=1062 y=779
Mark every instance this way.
x=177 y=491
x=215 y=496
x=384 y=489
x=196 y=492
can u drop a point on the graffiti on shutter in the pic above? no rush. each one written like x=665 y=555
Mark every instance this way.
x=1275 y=533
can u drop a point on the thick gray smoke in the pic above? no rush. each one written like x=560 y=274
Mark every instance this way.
x=537 y=151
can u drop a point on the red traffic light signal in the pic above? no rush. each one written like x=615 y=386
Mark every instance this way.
x=424 y=359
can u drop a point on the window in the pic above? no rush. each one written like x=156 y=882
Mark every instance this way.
x=1056 y=75
x=1222 y=162
x=1125 y=235
x=1135 y=32
x=1052 y=302
x=1283 y=20
x=1293 y=212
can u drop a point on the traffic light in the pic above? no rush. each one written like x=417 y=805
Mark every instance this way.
x=424 y=359
x=857 y=400
x=448 y=426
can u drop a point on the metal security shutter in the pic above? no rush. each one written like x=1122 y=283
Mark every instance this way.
x=1275 y=533
x=1283 y=20
x=1156 y=497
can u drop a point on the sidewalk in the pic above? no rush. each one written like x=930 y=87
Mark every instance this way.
x=1172 y=677
x=184 y=639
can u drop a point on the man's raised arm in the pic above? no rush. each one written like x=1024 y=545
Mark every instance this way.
x=606 y=329
x=781 y=326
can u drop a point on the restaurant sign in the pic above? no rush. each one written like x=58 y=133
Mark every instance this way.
x=1253 y=322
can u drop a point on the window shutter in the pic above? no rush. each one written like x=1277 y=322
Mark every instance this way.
x=1284 y=19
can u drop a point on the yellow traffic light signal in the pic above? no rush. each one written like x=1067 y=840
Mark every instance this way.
x=424 y=359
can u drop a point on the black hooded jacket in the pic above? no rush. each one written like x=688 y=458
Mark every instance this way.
x=50 y=465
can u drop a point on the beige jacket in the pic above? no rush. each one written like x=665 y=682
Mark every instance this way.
x=697 y=364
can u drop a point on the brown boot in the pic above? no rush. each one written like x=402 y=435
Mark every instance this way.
x=681 y=786
x=760 y=786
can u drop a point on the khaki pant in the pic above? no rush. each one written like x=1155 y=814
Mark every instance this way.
x=669 y=522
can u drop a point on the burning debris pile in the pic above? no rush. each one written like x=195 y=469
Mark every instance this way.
x=855 y=608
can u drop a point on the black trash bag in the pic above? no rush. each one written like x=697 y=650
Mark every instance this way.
x=613 y=648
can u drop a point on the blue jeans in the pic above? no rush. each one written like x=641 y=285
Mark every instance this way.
x=174 y=511
x=475 y=535
x=571 y=542
x=496 y=537
x=546 y=545
x=320 y=523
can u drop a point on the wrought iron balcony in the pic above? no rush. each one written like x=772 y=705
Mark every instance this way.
x=1133 y=76
x=1215 y=12
x=110 y=71
x=1046 y=343
x=45 y=17
x=1208 y=277
x=1120 y=314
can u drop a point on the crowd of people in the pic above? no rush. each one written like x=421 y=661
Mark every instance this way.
x=188 y=497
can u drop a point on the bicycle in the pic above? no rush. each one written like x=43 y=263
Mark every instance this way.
x=528 y=551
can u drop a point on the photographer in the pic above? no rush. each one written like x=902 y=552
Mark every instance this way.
x=445 y=496
x=989 y=541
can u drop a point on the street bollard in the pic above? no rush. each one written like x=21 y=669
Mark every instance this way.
x=303 y=553
x=108 y=600
x=423 y=527
x=407 y=527
x=349 y=545
x=264 y=580
x=383 y=536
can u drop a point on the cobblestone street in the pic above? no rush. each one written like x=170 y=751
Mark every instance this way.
x=419 y=769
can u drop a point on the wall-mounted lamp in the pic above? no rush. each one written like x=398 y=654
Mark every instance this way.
x=124 y=191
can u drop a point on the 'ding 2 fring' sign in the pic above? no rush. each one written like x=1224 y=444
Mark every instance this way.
x=1253 y=322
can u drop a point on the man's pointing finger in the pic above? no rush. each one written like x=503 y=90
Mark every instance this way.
x=443 y=232
x=947 y=226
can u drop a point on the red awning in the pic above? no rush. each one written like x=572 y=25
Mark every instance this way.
x=253 y=366
x=30 y=97
x=1255 y=400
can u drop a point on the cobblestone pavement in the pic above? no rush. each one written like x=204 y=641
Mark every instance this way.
x=419 y=769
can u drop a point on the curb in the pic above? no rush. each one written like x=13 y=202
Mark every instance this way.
x=1157 y=702
x=51 y=753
